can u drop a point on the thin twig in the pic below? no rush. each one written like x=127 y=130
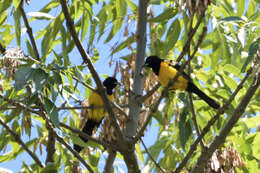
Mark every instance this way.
x=75 y=153
x=50 y=148
x=85 y=136
x=110 y=160
x=86 y=85
x=149 y=117
x=30 y=33
x=193 y=147
x=19 y=140
x=151 y=157
x=193 y=110
x=191 y=34
x=2 y=49
x=148 y=94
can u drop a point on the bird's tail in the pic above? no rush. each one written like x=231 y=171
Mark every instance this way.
x=88 y=128
x=194 y=89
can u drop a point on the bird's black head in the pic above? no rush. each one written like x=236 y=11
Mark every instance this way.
x=154 y=63
x=110 y=83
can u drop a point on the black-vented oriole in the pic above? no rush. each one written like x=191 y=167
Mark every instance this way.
x=96 y=115
x=166 y=71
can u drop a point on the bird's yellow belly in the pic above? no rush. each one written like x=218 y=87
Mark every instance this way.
x=166 y=74
x=94 y=113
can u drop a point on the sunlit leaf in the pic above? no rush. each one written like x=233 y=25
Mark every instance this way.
x=52 y=111
x=252 y=50
x=17 y=22
x=165 y=15
x=16 y=3
x=40 y=15
x=22 y=75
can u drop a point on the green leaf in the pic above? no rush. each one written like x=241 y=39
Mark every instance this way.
x=39 y=78
x=132 y=5
x=165 y=15
x=252 y=50
x=102 y=21
x=17 y=24
x=16 y=3
x=52 y=111
x=94 y=159
x=84 y=25
x=50 y=168
x=92 y=31
x=50 y=6
x=3 y=17
x=121 y=8
x=231 y=18
x=230 y=82
x=253 y=122
x=184 y=126
x=40 y=15
x=240 y=7
x=124 y=44
x=172 y=36
x=4 y=6
x=139 y=152
x=22 y=75
x=30 y=49
x=231 y=69
x=50 y=35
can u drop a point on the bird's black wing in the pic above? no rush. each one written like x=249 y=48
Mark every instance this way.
x=177 y=66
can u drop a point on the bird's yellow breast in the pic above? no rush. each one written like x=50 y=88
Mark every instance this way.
x=167 y=73
x=95 y=100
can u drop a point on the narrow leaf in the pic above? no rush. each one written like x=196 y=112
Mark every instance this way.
x=252 y=50
x=22 y=75
x=16 y=3
x=52 y=111
x=39 y=78
x=40 y=15
x=165 y=15
x=17 y=24
x=231 y=18
x=172 y=35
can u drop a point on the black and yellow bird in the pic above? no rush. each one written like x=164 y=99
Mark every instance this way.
x=96 y=115
x=166 y=71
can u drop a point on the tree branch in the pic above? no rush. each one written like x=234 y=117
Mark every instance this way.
x=2 y=49
x=193 y=110
x=84 y=135
x=149 y=117
x=220 y=139
x=151 y=157
x=29 y=31
x=191 y=32
x=134 y=107
x=19 y=140
x=110 y=160
x=148 y=94
x=193 y=147
x=84 y=84
x=75 y=153
x=50 y=148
